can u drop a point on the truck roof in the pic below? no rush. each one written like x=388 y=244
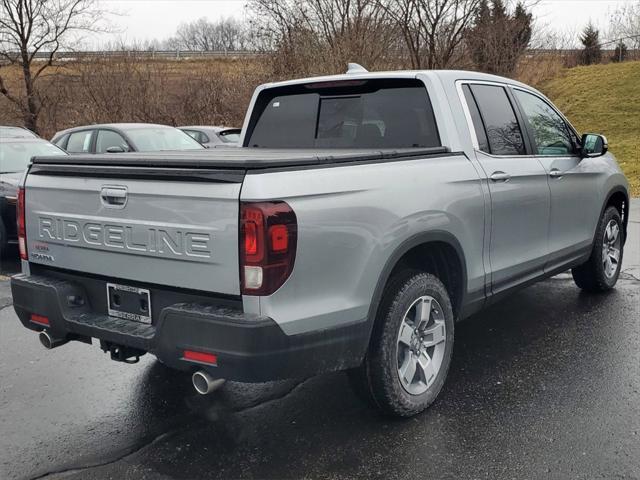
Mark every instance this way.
x=444 y=75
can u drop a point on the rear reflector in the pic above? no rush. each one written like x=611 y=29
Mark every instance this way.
x=201 y=357
x=40 y=320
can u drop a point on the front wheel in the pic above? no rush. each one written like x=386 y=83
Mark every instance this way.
x=411 y=346
x=600 y=273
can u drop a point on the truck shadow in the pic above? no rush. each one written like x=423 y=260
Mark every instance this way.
x=523 y=372
x=10 y=261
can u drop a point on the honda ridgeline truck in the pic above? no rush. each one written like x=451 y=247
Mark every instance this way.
x=365 y=214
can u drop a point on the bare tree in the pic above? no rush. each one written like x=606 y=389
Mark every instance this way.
x=204 y=35
x=32 y=27
x=325 y=34
x=433 y=30
x=625 y=26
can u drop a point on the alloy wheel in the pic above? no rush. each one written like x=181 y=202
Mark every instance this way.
x=611 y=247
x=421 y=345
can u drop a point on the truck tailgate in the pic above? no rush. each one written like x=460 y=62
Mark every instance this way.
x=172 y=232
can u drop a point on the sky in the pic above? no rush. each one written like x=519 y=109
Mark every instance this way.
x=141 y=20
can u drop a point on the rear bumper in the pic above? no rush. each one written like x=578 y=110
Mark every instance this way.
x=249 y=348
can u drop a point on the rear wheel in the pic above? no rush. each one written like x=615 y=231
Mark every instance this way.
x=411 y=347
x=600 y=273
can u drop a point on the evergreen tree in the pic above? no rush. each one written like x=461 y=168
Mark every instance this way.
x=498 y=38
x=592 y=51
x=524 y=27
x=620 y=54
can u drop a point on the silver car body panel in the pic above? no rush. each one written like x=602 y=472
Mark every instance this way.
x=171 y=233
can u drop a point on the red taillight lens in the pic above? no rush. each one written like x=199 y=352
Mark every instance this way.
x=269 y=232
x=253 y=229
x=279 y=238
x=22 y=227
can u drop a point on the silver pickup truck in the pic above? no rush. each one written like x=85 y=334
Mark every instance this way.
x=365 y=214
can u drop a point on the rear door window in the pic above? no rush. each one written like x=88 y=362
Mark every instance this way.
x=80 y=142
x=107 y=139
x=501 y=125
x=361 y=114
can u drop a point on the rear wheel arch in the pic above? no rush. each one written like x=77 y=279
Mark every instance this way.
x=436 y=252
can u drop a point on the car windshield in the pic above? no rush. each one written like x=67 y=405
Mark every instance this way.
x=156 y=139
x=15 y=156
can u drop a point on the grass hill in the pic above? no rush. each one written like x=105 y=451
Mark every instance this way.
x=604 y=99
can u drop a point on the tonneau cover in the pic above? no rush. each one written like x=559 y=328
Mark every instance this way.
x=239 y=158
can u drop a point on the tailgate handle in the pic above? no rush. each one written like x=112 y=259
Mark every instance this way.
x=113 y=197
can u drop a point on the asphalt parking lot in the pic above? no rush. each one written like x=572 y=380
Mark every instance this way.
x=545 y=384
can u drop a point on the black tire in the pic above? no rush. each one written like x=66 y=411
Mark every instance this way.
x=591 y=276
x=377 y=380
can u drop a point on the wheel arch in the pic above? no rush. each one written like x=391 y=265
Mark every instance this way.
x=409 y=250
x=618 y=197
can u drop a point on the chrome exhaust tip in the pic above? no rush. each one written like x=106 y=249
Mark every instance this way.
x=205 y=383
x=49 y=341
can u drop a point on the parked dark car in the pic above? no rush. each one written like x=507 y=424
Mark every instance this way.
x=124 y=137
x=15 y=155
x=214 y=136
x=16 y=132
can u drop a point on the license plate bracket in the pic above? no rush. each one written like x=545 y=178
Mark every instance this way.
x=130 y=303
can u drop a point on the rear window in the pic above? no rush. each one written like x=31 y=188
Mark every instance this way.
x=158 y=139
x=346 y=114
x=230 y=136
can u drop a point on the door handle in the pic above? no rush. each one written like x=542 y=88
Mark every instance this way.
x=500 y=177
x=555 y=173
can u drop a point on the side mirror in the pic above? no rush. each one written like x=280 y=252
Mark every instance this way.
x=594 y=145
x=116 y=149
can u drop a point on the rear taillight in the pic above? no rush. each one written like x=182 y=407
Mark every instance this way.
x=22 y=227
x=268 y=239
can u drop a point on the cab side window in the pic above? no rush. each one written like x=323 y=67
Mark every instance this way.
x=499 y=120
x=551 y=135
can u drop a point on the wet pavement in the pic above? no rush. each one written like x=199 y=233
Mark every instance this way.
x=545 y=384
